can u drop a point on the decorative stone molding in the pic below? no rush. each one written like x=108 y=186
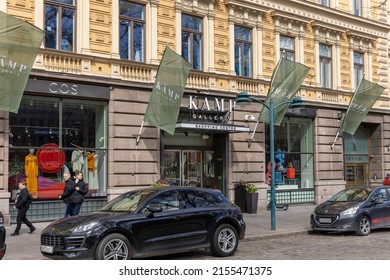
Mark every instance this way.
x=199 y=7
x=307 y=11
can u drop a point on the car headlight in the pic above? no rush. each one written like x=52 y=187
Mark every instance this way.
x=349 y=211
x=85 y=227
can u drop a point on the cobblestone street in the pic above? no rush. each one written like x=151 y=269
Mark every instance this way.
x=310 y=246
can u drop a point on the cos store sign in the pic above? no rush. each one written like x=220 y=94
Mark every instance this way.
x=63 y=88
x=50 y=158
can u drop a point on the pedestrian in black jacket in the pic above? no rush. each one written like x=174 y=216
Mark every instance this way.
x=77 y=197
x=22 y=203
x=65 y=196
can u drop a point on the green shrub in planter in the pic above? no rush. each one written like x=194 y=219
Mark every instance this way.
x=250 y=188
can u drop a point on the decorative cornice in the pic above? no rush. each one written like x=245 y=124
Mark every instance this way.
x=305 y=11
x=200 y=7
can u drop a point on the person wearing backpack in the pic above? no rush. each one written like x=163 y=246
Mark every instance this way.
x=22 y=203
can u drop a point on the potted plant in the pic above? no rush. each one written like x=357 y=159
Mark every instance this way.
x=239 y=194
x=251 y=198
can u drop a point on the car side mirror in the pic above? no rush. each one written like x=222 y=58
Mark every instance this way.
x=150 y=210
x=155 y=208
x=378 y=200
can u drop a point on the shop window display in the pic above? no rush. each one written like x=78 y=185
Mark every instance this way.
x=49 y=134
x=293 y=154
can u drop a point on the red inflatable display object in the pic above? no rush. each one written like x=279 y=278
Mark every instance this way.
x=290 y=173
x=50 y=158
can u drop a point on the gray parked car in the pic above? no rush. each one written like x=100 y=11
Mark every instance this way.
x=358 y=209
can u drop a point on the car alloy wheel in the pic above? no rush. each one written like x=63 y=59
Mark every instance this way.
x=114 y=247
x=364 y=226
x=225 y=241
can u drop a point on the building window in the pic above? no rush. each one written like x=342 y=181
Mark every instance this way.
x=132 y=31
x=41 y=146
x=358 y=68
x=357 y=7
x=243 y=51
x=293 y=149
x=325 y=66
x=324 y=2
x=287 y=49
x=191 y=40
x=60 y=21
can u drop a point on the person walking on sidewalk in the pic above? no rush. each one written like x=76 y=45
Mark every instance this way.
x=22 y=203
x=69 y=188
x=80 y=190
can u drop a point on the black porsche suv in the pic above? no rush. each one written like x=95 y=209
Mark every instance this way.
x=3 y=247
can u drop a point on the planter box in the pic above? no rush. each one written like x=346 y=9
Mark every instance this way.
x=251 y=201
x=239 y=197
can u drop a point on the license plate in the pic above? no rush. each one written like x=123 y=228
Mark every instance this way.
x=47 y=249
x=325 y=220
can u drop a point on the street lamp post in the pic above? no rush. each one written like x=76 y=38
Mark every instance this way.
x=243 y=98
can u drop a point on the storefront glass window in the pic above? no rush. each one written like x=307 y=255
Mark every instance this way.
x=293 y=153
x=49 y=135
x=171 y=167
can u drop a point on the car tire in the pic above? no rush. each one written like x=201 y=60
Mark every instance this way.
x=225 y=241
x=363 y=226
x=114 y=247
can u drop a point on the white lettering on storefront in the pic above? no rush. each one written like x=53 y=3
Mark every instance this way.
x=63 y=88
x=212 y=104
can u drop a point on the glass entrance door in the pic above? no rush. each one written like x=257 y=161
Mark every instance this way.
x=183 y=167
x=192 y=168
x=356 y=174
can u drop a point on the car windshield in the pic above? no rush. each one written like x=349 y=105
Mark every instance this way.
x=129 y=202
x=352 y=194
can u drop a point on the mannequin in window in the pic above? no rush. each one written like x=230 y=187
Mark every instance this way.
x=31 y=170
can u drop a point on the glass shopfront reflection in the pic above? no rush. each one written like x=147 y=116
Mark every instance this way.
x=294 y=154
x=183 y=168
x=47 y=135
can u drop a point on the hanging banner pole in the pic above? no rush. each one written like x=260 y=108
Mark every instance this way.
x=335 y=139
x=253 y=134
x=139 y=133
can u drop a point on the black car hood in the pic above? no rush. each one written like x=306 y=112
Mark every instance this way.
x=65 y=225
x=331 y=207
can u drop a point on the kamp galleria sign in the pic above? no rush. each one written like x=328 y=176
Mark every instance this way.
x=212 y=109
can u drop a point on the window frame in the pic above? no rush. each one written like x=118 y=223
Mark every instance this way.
x=324 y=2
x=325 y=63
x=60 y=6
x=192 y=33
x=357 y=7
x=131 y=21
x=243 y=44
x=358 y=68
x=284 y=52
